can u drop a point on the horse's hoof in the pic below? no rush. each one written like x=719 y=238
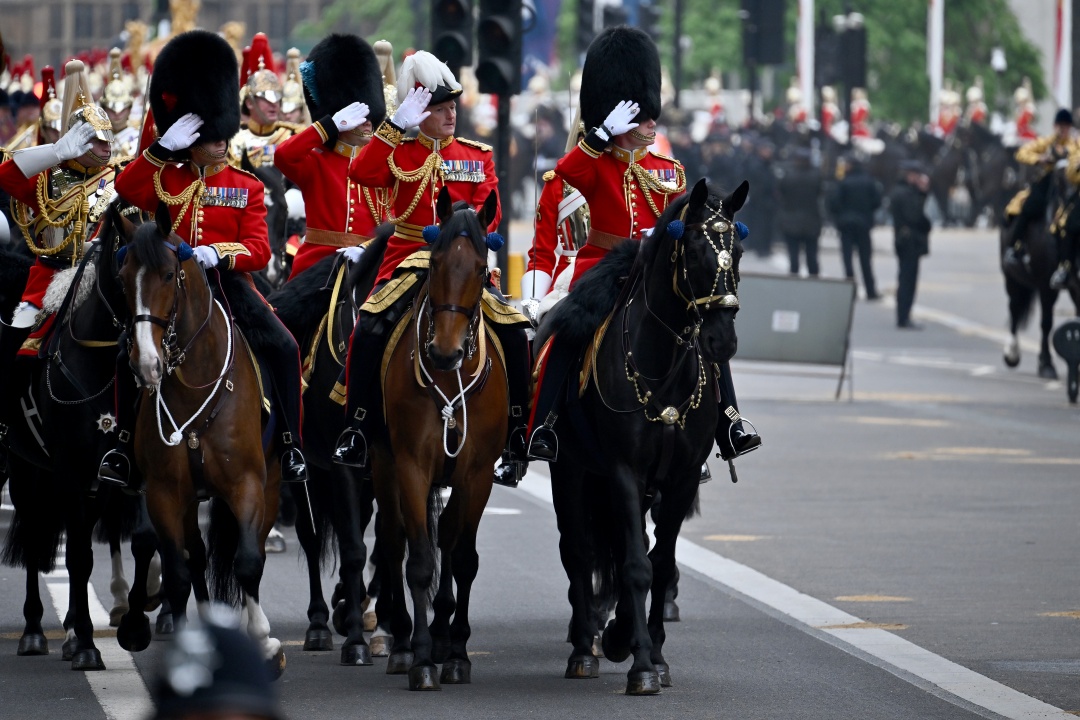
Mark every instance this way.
x=399 y=663
x=116 y=615
x=355 y=655
x=153 y=602
x=67 y=650
x=275 y=543
x=422 y=677
x=1011 y=361
x=440 y=650
x=164 y=624
x=318 y=639
x=338 y=619
x=380 y=645
x=371 y=621
x=643 y=682
x=664 y=672
x=1047 y=371
x=276 y=664
x=597 y=647
x=89 y=659
x=671 y=611
x=134 y=632
x=582 y=667
x=31 y=644
x=616 y=649
x=456 y=672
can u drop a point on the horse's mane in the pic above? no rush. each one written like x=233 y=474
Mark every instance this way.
x=461 y=223
x=149 y=249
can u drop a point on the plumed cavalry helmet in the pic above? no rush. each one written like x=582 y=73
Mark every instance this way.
x=117 y=95
x=424 y=69
x=196 y=72
x=79 y=103
x=622 y=64
x=259 y=78
x=340 y=70
x=292 y=90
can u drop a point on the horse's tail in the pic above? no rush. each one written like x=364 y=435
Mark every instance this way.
x=119 y=515
x=434 y=510
x=222 y=540
x=695 y=507
x=33 y=538
x=1021 y=301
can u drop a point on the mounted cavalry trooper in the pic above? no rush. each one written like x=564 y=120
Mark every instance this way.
x=417 y=169
x=627 y=187
x=344 y=89
x=217 y=210
x=1030 y=204
x=60 y=192
x=292 y=90
x=260 y=97
x=118 y=98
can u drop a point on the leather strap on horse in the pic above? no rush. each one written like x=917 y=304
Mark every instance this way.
x=194 y=443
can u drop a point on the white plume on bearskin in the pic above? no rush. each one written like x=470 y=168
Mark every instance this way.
x=425 y=69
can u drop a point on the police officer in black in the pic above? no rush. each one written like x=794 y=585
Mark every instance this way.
x=912 y=236
x=852 y=203
x=798 y=191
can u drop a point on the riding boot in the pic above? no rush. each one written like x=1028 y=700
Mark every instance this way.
x=1017 y=250
x=116 y=466
x=734 y=436
x=363 y=399
x=515 y=462
x=1060 y=278
x=11 y=339
x=543 y=443
x=284 y=362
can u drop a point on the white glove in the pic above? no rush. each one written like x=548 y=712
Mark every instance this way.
x=75 y=142
x=207 y=256
x=352 y=254
x=620 y=120
x=413 y=109
x=182 y=134
x=535 y=284
x=351 y=116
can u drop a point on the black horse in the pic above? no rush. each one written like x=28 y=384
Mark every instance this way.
x=644 y=423
x=319 y=308
x=277 y=217
x=66 y=424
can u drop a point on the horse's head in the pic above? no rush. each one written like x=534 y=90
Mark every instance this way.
x=456 y=279
x=702 y=243
x=154 y=263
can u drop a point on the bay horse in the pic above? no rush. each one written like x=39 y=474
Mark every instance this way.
x=446 y=384
x=65 y=423
x=198 y=431
x=644 y=424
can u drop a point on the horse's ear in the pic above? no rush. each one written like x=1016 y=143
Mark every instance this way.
x=444 y=205
x=124 y=228
x=163 y=220
x=245 y=162
x=489 y=210
x=736 y=200
x=698 y=195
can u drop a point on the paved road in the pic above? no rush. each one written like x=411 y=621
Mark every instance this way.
x=908 y=553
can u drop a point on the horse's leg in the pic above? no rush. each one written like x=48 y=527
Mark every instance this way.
x=33 y=640
x=118 y=585
x=80 y=563
x=169 y=514
x=1019 y=304
x=458 y=669
x=1048 y=298
x=195 y=551
x=445 y=604
x=569 y=497
x=367 y=513
x=349 y=529
x=391 y=543
x=419 y=570
x=133 y=633
x=318 y=635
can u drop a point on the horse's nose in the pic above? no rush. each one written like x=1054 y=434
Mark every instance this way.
x=445 y=361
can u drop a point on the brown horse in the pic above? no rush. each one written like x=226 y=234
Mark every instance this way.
x=198 y=430
x=445 y=386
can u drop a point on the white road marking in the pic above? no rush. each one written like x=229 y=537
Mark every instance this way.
x=904 y=659
x=501 y=511
x=120 y=690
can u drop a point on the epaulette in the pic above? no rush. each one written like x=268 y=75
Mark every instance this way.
x=247 y=172
x=549 y=176
x=475 y=143
x=286 y=125
x=664 y=157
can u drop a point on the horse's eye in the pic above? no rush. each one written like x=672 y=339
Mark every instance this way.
x=168 y=277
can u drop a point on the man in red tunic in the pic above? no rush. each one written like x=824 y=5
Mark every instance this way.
x=344 y=89
x=217 y=210
x=417 y=169
x=627 y=188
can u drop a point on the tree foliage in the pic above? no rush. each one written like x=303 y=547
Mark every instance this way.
x=372 y=20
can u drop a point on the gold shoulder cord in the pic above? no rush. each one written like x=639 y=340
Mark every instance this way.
x=422 y=174
x=194 y=190
x=47 y=206
x=648 y=182
x=379 y=206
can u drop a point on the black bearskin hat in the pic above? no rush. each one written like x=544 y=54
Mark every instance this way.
x=196 y=72
x=340 y=70
x=622 y=64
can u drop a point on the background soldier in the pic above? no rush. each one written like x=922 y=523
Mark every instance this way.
x=260 y=98
x=118 y=98
x=912 y=236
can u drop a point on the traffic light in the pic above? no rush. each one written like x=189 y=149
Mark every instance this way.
x=649 y=20
x=451 y=33
x=763 y=32
x=498 y=39
x=586 y=25
x=615 y=15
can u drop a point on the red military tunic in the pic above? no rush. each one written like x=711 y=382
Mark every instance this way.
x=465 y=167
x=1025 y=122
x=553 y=242
x=228 y=214
x=340 y=213
x=618 y=204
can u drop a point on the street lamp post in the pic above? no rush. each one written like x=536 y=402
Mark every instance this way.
x=851 y=41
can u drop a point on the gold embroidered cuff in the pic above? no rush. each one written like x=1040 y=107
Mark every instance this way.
x=155 y=161
x=319 y=129
x=389 y=134
x=230 y=251
x=591 y=152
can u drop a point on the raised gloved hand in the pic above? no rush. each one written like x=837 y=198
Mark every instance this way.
x=34 y=160
x=75 y=142
x=351 y=116
x=182 y=134
x=413 y=109
x=207 y=256
x=352 y=254
x=621 y=119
